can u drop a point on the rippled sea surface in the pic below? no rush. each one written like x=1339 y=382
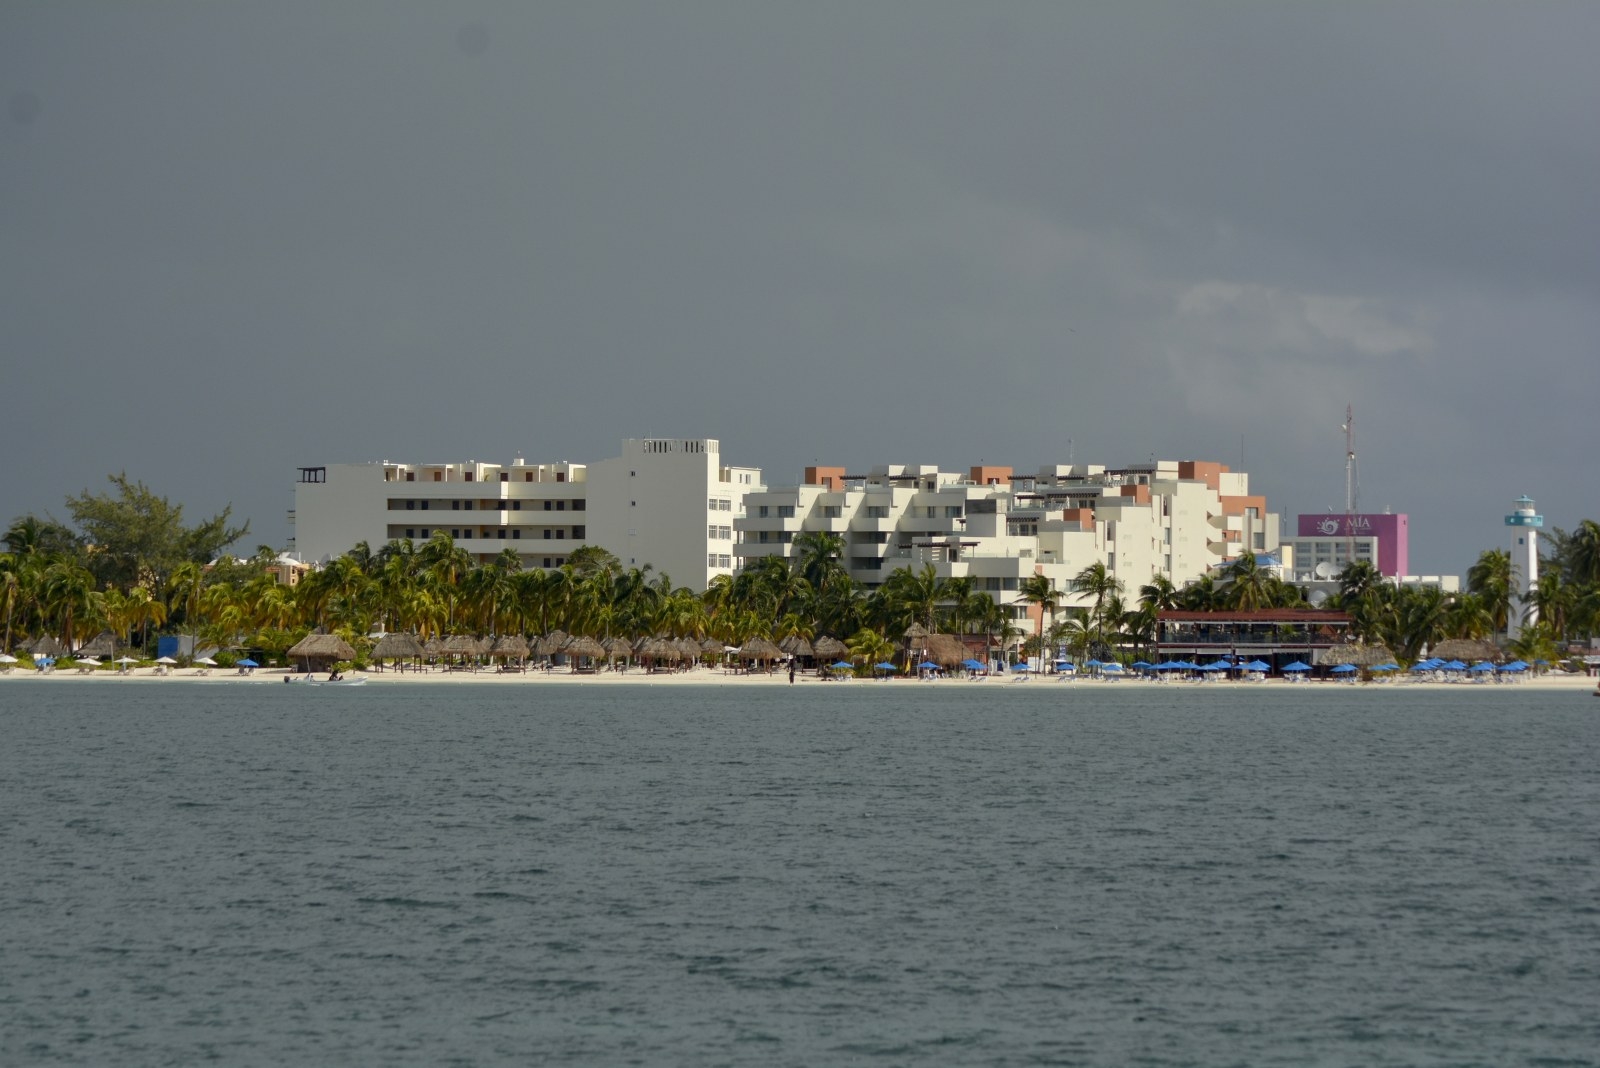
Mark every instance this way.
x=890 y=873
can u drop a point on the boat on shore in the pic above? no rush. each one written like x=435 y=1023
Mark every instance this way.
x=312 y=680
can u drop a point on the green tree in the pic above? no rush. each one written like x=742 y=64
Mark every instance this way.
x=1038 y=591
x=135 y=537
x=1492 y=579
x=1097 y=583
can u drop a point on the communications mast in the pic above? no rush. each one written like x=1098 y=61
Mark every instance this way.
x=1349 y=429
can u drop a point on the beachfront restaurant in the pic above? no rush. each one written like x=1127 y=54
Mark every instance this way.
x=1276 y=635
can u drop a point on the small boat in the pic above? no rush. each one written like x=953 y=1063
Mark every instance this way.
x=312 y=680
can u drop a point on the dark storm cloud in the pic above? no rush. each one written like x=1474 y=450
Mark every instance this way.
x=241 y=238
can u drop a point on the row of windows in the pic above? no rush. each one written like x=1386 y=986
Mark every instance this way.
x=467 y=476
x=718 y=560
x=401 y=505
x=719 y=504
x=717 y=533
x=498 y=533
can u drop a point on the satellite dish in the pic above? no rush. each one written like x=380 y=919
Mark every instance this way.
x=1323 y=571
x=1318 y=598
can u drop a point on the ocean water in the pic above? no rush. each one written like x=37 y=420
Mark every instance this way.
x=867 y=873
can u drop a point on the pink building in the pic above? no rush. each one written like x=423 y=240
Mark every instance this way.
x=1391 y=532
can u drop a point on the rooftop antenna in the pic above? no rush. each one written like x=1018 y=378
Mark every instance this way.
x=1349 y=429
x=1069 y=452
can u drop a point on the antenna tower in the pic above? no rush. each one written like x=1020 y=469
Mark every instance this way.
x=1349 y=429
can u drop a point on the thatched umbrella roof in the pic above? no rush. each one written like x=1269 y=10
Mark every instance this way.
x=395 y=646
x=459 y=645
x=102 y=644
x=1468 y=649
x=322 y=647
x=433 y=647
x=759 y=649
x=796 y=645
x=46 y=646
x=659 y=649
x=618 y=647
x=915 y=633
x=583 y=646
x=828 y=647
x=711 y=645
x=510 y=645
x=688 y=648
x=1361 y=655
x=551 y=643
x=945 y=650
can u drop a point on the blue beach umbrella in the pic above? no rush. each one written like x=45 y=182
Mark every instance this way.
x=884 y=665
x=1297 y=666
x=1386 y=667
x=974 y=665
x=928 y=665
x=1344 y=669
x=1258 y=665
x=1113 y=668
x=1091 y=662
x=840 y=665
x=1143 y=664
x=247 y=662
x=1020 y=667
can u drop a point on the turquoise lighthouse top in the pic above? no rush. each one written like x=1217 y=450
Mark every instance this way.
x=1524 y=516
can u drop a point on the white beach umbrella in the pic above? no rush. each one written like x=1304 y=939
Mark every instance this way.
x=88 y=661
x=166 y=660
x=125 y=660
x=7 y=658
x=207 y=661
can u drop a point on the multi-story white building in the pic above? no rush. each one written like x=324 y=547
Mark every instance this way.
x=997 y=527
x=668 y=502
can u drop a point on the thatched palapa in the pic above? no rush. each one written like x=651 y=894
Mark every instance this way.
x=829 y=648
x=796 y=645
x=396 y=647
x=510 y=645
x=1468 y=649
x=759 y=649
x=102 y=644
x=946 y=650
x=320 y=651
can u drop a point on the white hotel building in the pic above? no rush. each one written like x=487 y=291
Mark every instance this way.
x=667 y=502
x=671 y=503
x=1177 y=519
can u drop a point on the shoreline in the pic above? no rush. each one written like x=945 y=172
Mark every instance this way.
x=718 y=677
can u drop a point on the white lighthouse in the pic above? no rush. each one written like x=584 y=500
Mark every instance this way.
x=1524 y=524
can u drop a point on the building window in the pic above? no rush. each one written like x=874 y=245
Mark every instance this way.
x=877 y=511
x=578 y=533
x=561 y=506
x=711 y=503
x=548 y=534
x=711 y=559
x=711 y=531
x=724 y=506
x=549 y=506
x=516 y=535
x=468 y=476
x=547 y=561
x=527 y=476
x=455 y=506
x=500 y=535
x=411 y=532
x=516 y=506
x=455 y=532
x=785 y=511
x=761 y=512
x=952 y=511
x=505 y=476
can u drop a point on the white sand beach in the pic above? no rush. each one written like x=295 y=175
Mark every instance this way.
x=703 y=676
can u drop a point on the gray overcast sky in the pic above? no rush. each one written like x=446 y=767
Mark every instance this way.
x=240 y=238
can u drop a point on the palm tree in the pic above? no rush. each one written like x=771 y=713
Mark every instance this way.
x=71 y=600
x=1492 y=579
x=818 y=555
x=870 y=647
x=184 y=586
x=1583 y=554
x=10 y=591
x=1248 y=586
x=1040 y=592
x=1096 y=582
